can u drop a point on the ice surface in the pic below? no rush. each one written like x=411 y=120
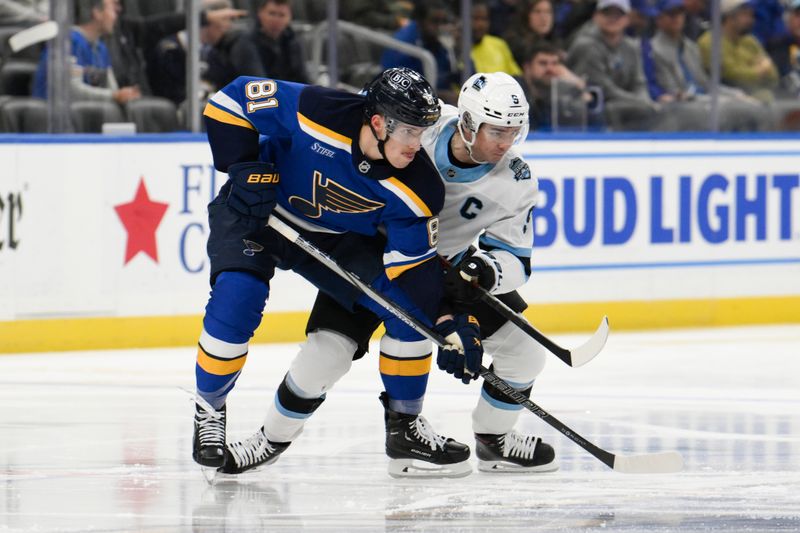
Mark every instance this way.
x=100 y=441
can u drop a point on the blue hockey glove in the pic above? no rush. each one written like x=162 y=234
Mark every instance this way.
x=461 y=281
x=253 y=189
x=462 y=357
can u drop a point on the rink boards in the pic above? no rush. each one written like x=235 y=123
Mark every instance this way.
x=102 y=239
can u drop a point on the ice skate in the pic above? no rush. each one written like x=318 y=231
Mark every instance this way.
x=417 y=451
x=250 y=453
x=514 y=452
x=208 y=442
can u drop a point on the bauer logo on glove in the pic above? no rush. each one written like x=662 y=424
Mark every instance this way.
x=264 y=178
x=463 y=354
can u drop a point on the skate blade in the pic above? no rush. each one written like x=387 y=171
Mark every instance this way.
x=504 y=467
x=412 y=468
x=209 y=473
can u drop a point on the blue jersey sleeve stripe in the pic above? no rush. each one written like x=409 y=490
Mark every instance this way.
x=321 y=133
x=225 y=116
x=229 y=103
x=521 y=252
x=394 y=271
x=408 y=197
x=394 y=257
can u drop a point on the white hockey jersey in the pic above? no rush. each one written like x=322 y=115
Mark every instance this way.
x=488 y=203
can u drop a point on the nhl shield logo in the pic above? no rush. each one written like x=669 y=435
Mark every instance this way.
x=364 y=167
x=451 y=172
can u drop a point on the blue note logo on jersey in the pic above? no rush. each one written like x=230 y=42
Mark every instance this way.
x=331 y=196
x=251 y=248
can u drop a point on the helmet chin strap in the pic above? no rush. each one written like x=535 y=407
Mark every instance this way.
x=468 y=144
x=381 y=143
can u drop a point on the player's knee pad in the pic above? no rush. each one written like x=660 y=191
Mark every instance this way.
x=234 y=309
x=515 y=355
x=324 y=358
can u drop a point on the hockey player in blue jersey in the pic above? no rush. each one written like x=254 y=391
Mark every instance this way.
x=489 y=196
x=336 y=167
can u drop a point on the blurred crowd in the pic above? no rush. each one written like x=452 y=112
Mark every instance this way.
x=607 y=65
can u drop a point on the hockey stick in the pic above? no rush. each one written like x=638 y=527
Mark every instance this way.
x=33 y=35
x=651 y=463
x=575 y=358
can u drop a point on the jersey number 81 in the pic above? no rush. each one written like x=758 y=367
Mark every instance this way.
x=261 y=90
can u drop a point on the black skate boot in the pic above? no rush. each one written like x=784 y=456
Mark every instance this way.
x=513 y=452
x=208 y=444
x=411 y=438
x=251 y=452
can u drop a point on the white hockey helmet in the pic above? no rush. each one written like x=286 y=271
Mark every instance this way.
x=492 y=98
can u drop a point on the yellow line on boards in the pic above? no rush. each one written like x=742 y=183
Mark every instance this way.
x=63 y=334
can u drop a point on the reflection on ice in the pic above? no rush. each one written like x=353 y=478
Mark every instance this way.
x=100 y=442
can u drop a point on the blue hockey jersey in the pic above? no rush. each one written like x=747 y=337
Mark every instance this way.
x=327 y=184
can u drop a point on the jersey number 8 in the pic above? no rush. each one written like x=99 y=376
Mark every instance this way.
x=261 y=90
x=433 y=231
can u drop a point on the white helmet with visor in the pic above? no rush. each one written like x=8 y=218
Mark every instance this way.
x=495 y=99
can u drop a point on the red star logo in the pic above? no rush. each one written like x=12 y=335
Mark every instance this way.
x=141 y=218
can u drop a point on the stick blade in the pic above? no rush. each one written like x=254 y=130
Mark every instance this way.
x=649 y=463
x=33 y=35
x=589 y=349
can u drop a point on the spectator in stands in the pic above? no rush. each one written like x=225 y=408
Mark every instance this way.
x=642 y=16
x=429 y=19
x=745 y=63
x=532 y=24
x=611 y=60
x=134 y=40
x=23 y=12
x=684 y=85
x=275 y=42
x=92 y=76
x=571 y=15
x=768 y=22
x=785 y=51
x=489 y=52
x=502 y=14
x=557 y=98
x=388 y=15
x=167 y=66
x=696 y=18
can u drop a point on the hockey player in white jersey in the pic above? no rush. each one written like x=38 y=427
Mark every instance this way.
x=489 y=197
x=490 y=194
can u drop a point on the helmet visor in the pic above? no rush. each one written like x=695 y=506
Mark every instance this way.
x=503 y=134
x=404 y=133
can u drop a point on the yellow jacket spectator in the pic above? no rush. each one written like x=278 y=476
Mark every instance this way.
x=489 y=53
x=745 y=63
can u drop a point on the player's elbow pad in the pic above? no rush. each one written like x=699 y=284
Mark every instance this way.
x=253 y=189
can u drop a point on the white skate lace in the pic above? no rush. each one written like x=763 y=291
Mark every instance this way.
x=211 y=422
x=251 y=450
x=516 y=445
x=422 y=429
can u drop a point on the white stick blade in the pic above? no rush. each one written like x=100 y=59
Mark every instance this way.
x=650 y=463
x=588 y=350
x=35 y=34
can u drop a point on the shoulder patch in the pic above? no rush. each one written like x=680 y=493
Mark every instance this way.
x=520 y=169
